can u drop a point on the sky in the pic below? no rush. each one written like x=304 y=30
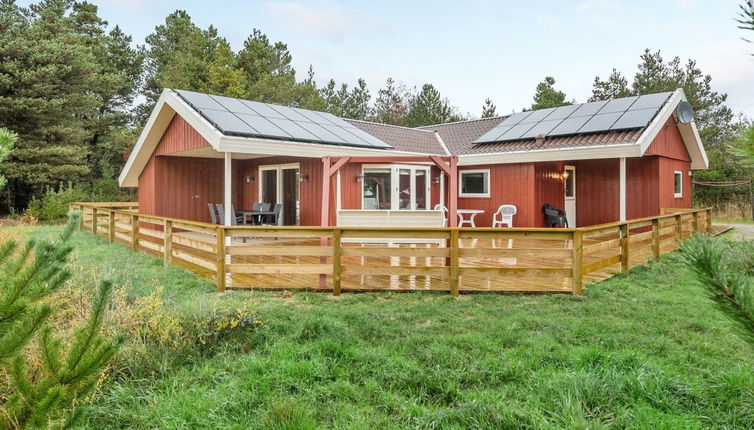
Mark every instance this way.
x=475 y=49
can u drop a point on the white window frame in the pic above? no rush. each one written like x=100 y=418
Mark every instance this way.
x=279 y=185
x=487 y=182
x=679 y=194
x=395 y=179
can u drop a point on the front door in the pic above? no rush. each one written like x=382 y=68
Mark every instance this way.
x=570 y=195
x=280 y=185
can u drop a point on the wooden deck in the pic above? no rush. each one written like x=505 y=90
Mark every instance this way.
x=377 y=259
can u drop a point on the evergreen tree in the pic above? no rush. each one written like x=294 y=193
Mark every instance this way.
x=488 y=109
x=391 y=106
x=746 y=17
x=356 y=104
x=7 y=142
x=546 y=96
x=47 y=79
x=45 y=394
x=428 y=107
x=616 y=86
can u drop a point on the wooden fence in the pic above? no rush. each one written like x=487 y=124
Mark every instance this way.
x=398 y=259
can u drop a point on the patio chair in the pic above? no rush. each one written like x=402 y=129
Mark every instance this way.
x=274 y=219
x=504 y=216
x=213 y=214
x=439 y=207
x=234 y=219
x=555 y=217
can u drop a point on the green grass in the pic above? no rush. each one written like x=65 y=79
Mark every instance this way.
x=645 y=350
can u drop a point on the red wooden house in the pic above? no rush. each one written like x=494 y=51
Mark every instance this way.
x=601 y=162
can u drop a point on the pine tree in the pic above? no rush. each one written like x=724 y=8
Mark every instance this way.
x=428 y=107
x=488 y=109
x=546 y=96
x=45 y=394
x=7 y=141
x=391 y=106
x=615 y=86
x=746 y=17
x=356 y=104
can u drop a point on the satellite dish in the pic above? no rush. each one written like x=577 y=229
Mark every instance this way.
x=684 y=112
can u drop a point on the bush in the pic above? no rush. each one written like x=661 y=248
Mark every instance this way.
x=52 y=206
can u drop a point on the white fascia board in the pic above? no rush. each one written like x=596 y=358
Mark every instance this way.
x=560 y=154
x=689 y=132
x=208 y=131
x=248 y=145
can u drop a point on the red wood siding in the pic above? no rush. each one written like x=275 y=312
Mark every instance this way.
x=147 y=202
x=550 y=188
x=669 y=143
x=180 y=136
x=597 y=188
x=667 y=184
x=642 y=187
x=509 y=184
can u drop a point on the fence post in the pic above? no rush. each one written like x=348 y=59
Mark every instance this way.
x=624 y=231
x=709 y=220
x=220 y=280
x=81 y=223
x=135 y=232
x=696 y=221
x=656 y=238
x=167 y=257
x=94 y=221
x=578 y=260
x=678 y=228
x=111 y=226
x=454 y=252
x=337 y=268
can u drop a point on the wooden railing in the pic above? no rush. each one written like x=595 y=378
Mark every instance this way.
x=401 y=259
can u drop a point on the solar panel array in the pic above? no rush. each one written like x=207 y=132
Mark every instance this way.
x=237 y=117
x=611 y=115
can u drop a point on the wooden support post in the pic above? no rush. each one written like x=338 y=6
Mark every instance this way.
x=167 y=257
x=454 y=253
x=709 y=220
x=81 y=223
x=656 y=238
x=337 y=268
x=111 y=226
x=678 y=228
x=453 y=193
x=577 y=283
x=94 y=221
x=135 y=232
x=696 y=222
x=624 y=231
x=220 y=262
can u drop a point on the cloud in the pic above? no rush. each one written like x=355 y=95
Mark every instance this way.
x=324 y=19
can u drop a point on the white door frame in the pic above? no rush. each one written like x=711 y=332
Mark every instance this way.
x=279 y=179
x=570 y=214
x=395 y=183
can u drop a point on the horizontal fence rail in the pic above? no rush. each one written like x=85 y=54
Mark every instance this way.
x=340 y=259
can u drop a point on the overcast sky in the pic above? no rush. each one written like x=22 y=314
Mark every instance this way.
x=473 y=49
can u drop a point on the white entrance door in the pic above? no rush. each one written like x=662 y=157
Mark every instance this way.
x=280 y=184
x=570 y=195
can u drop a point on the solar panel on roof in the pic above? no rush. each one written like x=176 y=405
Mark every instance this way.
x=228 y=123
x=600 y=122
x=569 y=126
x=562 y=112
x=649 y=101
x=515 y=118
x=515 y=132
x=254 y=119
x=634 y=119
x=588 y=109
x=494 y=134
x=618 y=105
x=538 y=115
x=543 y=127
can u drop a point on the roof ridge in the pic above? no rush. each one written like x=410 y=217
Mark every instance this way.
x=465 y=120
x=386 y=125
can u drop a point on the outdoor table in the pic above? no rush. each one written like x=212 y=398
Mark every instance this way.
x=470 y=221
x=259 y=214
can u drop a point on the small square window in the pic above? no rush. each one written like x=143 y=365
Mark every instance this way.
x=474 y=183
x=678 y=184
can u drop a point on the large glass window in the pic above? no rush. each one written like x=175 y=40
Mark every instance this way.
x=396 y=188
x=474 y=183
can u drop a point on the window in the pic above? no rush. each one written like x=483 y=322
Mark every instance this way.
x=395 y=187
x=678 y=184
x=569 y=179
x=474 y=183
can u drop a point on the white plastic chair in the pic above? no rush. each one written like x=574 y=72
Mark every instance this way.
x=504 y=216
x=439 y=207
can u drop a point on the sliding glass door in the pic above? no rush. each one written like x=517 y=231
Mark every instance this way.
x=279 y=184
x=396 y=187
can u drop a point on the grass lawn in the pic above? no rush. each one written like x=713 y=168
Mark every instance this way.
x=645 y=350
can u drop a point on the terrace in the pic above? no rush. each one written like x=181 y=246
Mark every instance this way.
x=451 y=259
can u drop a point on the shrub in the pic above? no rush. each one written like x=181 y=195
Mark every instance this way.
x=52 y=206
